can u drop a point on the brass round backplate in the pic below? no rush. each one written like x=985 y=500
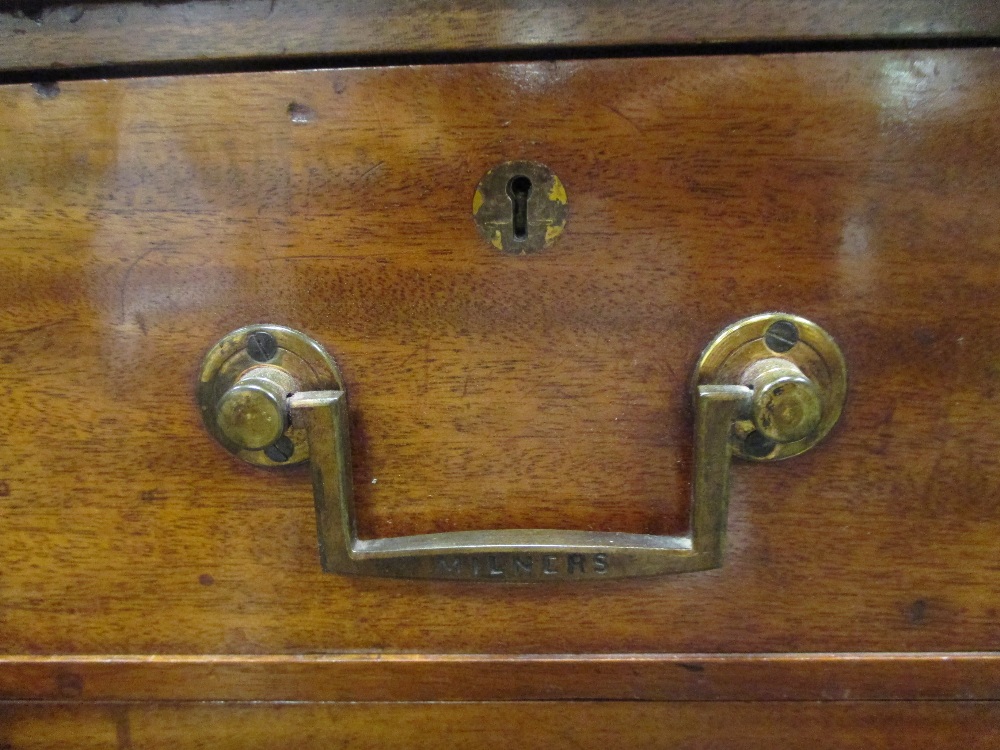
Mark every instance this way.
x=306 y=363
x=520 y=207
x=732 y=354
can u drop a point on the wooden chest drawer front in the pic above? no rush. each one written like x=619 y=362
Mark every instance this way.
x=740 y=726
x=144 y=219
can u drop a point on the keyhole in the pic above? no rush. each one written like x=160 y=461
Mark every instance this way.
x=518 y=190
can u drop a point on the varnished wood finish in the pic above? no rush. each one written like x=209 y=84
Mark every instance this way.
x=74 y=34
x=686 y=726
x=142 y=220
x=452 y=677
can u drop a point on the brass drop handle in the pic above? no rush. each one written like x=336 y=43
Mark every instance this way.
x=767 y=387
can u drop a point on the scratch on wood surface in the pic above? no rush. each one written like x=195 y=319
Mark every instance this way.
x=369 y=171
x=126 y=278
x=626 y=118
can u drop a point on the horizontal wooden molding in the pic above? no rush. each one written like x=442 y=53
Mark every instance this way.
x=42 y=35
x=479 y=677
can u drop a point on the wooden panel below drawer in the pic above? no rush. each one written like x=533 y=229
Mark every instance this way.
x=144 y=219
x=734 y=726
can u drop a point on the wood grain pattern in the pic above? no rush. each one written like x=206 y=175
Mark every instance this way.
x=82 y=34
x=457 y=677
x=143 y=219
x=735 y=726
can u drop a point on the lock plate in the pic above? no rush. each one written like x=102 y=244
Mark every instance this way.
x=520 y=207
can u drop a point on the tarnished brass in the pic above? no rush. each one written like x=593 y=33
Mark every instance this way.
x=253 y=413
x=787 y=406
x=517 y=555
x=520 y=207
x=244 y=384
x=798 y=377
x=743 y=387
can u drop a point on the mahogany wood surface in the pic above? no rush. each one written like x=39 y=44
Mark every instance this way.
x=686 y=726
x=461 y=677
x=38 y=34
x=141 y=220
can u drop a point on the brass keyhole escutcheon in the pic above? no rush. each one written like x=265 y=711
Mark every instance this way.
x=520 y=207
